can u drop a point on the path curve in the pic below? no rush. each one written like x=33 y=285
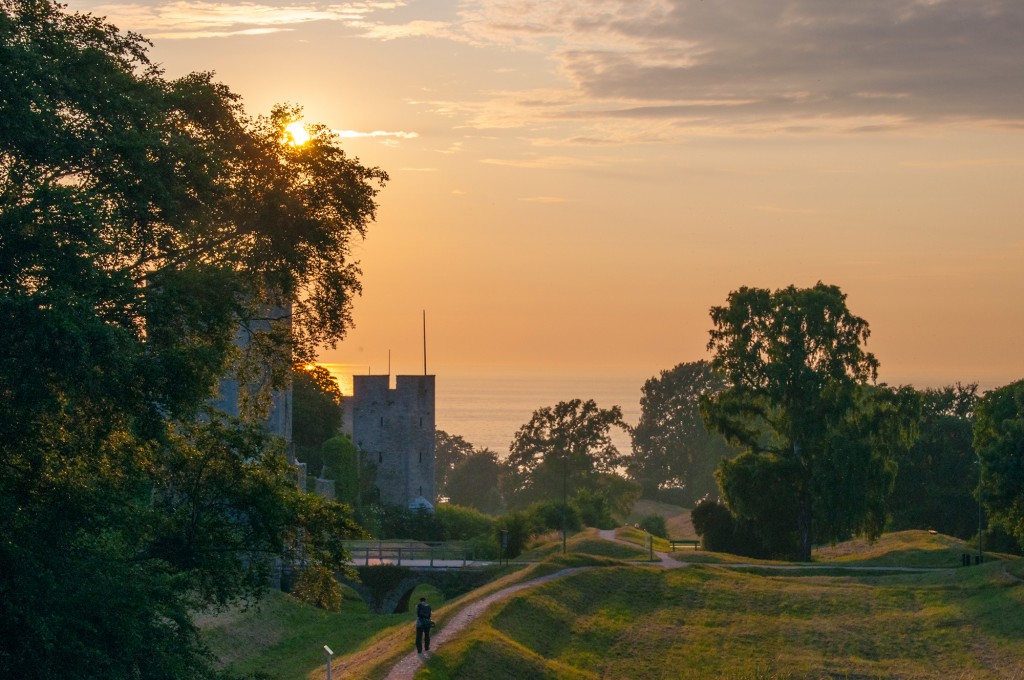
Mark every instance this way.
x=407 y=666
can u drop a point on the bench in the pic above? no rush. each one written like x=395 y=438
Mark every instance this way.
x=685 y=542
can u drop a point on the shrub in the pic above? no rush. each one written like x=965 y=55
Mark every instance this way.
x=317 y=586
x=654 y=525
x=520 y=526
x=594 y=509
x=549 y=516
x=460 y=523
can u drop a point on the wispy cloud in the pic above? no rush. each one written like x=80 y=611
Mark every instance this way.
x=383 y=136
x=753 y=66
x=191 y=19
x=540 y=162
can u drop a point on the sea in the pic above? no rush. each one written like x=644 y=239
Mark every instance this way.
x=488 y=411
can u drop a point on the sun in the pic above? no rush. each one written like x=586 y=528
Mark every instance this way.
x=295 y=134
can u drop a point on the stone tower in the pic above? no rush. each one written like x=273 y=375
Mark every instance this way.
x=394 y=429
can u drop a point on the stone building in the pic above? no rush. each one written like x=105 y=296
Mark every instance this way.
x=394 y=430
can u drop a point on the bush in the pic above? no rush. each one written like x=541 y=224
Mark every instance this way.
x=462 y=524
x=549 y=516
x=654 y=525
x=594 y=509
x=520 y=526
x=317 y=586
x=720 y=531
x=714 y=524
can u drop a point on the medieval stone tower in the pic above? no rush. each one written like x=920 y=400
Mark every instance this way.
x=394 y=429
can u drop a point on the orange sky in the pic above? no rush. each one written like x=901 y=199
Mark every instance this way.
x=574 y=184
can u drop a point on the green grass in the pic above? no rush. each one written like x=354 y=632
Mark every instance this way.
x=284 y=638
x=709 y=622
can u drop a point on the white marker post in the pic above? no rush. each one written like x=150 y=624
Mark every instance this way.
x=329 y=655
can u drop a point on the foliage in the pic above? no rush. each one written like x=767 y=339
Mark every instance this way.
x=145 y=223
x=553 y=515
x=936 y=478
x=560 y=449
x=476 y=481
x=317 y=586
x=672 y=447
x=720 y=531
x=450 y=451
x=797 y=400
x=339 y=459
x=520 y=527
x=316 y=409
x=654 y=525
x=461 y=523
x=999 y=442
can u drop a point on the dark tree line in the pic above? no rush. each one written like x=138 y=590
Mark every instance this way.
x=143 y=222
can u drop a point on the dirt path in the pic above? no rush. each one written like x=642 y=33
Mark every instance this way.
x=406 y=668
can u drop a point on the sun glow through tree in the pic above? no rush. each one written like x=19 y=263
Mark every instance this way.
x=295 y=134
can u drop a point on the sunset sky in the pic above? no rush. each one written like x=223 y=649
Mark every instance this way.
x=574 y=183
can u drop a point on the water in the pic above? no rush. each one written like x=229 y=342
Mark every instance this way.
x=487 y=411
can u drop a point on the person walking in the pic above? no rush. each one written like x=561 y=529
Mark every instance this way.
x=423 y=626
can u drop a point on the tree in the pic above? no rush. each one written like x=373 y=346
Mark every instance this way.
x=476 y=482
x=450 y=450
x=316 y=408
x=562 y=448
x=672 y=447
x=999 y=443
x=795 y=366
x=143 y=222
x=340 y=461
x=937 y=477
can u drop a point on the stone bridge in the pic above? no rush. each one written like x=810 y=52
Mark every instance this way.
x=386 y=588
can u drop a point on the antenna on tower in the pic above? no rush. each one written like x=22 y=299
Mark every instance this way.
x=424 y=342
x=389 y=363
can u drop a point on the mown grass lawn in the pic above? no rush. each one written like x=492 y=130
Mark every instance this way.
x=709 y=620
x=713 y=622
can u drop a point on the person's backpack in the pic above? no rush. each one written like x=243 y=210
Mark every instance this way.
x=423 y=616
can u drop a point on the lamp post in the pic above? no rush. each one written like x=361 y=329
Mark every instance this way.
x=981 y=479
x=330 y=653
x=565 y=493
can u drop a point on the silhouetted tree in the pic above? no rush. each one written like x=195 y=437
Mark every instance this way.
x=937 y=477
x=143 y=222
x=796 y=372
x=672 y=447
x=562 y=448
x=999 y=442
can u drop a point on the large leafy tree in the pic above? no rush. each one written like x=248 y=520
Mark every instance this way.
x=316 y=408
x=450 y=451
x=143 y=221
x=672 y=447
x=796 y=369
x=999 y=442
x=937 y=477
x=475 y=482
x=563 y=448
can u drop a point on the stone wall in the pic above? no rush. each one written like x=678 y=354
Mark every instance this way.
x=394 y=429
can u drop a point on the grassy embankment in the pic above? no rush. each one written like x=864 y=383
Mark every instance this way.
x=701 y=622
x=711 y=621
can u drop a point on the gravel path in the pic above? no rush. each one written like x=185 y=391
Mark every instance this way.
x=406 y=668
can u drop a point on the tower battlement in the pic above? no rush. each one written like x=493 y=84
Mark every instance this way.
x=394 y=430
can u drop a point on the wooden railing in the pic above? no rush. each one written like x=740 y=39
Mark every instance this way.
x=394 y=552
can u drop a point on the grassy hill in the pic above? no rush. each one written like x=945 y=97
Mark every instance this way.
x=708 y=620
